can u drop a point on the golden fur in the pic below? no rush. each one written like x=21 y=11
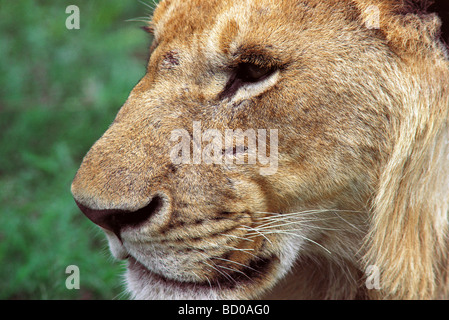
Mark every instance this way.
x=363 y=155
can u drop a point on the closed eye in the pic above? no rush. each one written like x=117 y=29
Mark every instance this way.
x=245 y=73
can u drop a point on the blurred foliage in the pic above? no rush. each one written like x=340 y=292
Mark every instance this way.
x=59 y=91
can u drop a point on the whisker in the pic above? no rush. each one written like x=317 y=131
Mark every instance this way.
x=215 y=246
x=208 y=280
x=224 y=273
x=319 y=228
x=272 y=220
x=253 y=229
x=352 y=225
x=139 y=19
x=247 y=251
x=238 y=263
x=305 y=217
x=303 y=224
x=274 y=225
x=302 y=213
x=299 y=235
x=296 y=212
x=210 y=284
x=198 y=277
x=155 y=3
x=234 y=270
x=149 y=5
x=234 y=236
x=254 y=234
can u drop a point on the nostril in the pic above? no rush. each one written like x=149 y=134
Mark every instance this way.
x=114 y=219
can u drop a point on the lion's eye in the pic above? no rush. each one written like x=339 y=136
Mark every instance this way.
x=246 y=73
x=249 y=72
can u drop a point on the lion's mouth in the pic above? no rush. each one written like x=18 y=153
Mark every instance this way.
x=146 y=284
x=227 y=267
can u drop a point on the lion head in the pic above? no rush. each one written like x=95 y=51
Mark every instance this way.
x=280 y=149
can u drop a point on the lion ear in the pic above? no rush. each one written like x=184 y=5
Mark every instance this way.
x=406 y=25
x=408 y=240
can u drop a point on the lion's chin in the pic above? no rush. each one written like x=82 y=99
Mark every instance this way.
x=143 y=284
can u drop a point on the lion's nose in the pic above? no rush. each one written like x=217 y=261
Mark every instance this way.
x=115 y=220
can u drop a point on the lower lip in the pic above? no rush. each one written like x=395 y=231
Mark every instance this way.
x=253 y=274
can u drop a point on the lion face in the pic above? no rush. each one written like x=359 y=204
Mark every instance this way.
x=308 y=85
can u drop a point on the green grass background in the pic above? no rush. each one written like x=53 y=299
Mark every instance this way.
x=59 y=91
